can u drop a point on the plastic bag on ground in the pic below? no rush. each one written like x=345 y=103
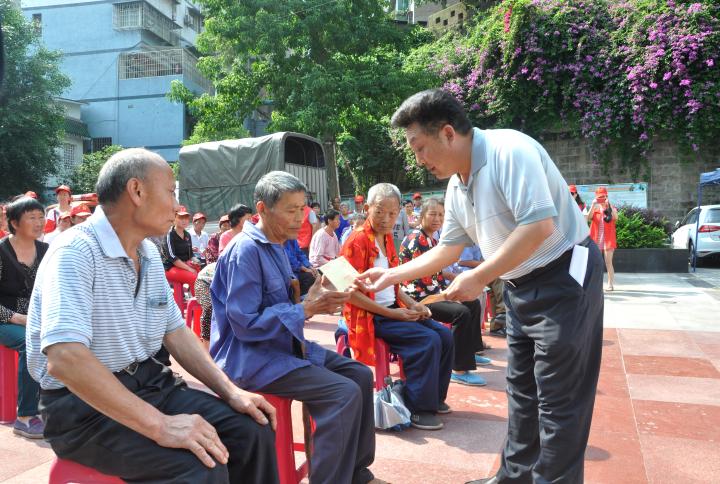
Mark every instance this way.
x=390 y=410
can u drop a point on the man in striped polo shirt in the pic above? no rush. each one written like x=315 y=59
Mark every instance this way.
x=99 y=313
x=506 y=195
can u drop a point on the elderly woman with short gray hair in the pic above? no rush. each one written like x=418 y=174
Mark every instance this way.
x=426 y=346
x=258 y=336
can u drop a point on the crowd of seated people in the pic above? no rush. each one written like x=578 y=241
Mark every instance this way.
x=257 y=282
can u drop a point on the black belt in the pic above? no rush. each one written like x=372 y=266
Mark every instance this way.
x=563 y=259
x=131 y=369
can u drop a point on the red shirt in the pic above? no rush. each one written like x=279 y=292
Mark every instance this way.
x=361 y=251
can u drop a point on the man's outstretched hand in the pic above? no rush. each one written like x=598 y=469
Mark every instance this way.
x=375 y=279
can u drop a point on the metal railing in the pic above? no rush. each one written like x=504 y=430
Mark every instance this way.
x=161 y=62
x=142 y=15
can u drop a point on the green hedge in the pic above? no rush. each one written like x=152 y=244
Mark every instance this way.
x=635 y=231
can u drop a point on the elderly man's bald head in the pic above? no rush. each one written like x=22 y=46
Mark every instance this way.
x=121 y=168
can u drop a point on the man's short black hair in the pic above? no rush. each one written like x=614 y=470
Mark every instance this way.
x=432 y=109
x=15 y=210
x=315 y=204
x=330 y=215
x=238 y=212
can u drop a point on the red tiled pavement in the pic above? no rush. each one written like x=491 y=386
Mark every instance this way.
x=656 y=419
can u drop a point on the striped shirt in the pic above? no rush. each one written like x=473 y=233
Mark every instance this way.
x=512 y=182
x=87 y=291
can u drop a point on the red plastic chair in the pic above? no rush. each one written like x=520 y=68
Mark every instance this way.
x=8 y=384
x=285 y=447
x=69 y=472
x=192 y=315
x=489 y=313
x=382 y=363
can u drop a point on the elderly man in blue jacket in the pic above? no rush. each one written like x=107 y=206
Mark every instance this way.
x=257 y=336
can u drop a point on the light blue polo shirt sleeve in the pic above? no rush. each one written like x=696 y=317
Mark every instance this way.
x=66 y=311
x=522 y=179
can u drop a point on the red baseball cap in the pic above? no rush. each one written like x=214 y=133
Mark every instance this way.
x=182 y=211
x=417 y=195
x=64 y=215
x=359 y=199
x=573 y=188
x=198 y=216
x=31 y=194
x=601 y=191
x=63 y=188
x=223 y=219
x=81 y=210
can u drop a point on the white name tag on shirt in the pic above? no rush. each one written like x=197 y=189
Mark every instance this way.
x=578 y=263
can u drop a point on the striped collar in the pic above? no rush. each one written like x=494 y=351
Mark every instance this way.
x=109 y=241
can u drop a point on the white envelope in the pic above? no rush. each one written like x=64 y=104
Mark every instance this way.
x=578 y=263
x=340 y=273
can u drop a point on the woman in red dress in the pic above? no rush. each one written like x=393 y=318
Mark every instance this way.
x=602 y=217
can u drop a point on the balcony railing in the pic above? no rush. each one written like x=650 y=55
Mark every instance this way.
x=162 y=62
x=142 y=15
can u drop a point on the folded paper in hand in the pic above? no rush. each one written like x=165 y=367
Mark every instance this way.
x=340 y=273
x=433 y=298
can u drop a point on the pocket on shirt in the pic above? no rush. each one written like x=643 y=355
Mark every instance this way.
x=157 y=310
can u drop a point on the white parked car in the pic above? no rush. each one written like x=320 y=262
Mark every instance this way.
x=708 y=236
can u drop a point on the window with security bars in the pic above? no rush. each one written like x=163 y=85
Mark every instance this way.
x=67 y=162
x=194 y=20
x=142 y=15
x=37 y=23
x=100 y=143
x=127 y=15
x=161 y=62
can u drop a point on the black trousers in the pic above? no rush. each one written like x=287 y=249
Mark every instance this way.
x=339 y=397
x=306 y=280
x=78 y=432
x=554 y=336
x=465 y=320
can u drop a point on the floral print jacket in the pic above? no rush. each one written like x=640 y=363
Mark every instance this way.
x=414 y=245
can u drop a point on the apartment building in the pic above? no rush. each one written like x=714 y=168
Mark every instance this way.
x=121 y=57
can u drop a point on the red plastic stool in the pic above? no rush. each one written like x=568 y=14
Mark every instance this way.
x=192 y=315
x=382 y=363
x=8 y=384
x=488 y=314
x=285 y=448
x=69 y=472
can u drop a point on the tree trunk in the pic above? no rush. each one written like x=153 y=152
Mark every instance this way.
x=333 y=180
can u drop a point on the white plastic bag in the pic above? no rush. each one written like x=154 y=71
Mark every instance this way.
x=390 y=410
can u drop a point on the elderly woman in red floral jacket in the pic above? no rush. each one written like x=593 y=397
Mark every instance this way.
x=425 y=346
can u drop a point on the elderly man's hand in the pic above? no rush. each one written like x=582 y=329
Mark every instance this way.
x=255 y=406
x=321 y=300
x=194 y=433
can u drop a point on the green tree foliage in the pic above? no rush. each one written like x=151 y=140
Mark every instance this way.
x=330 y=69
x=31 y=123
x=85 y=176
x=619 y=74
